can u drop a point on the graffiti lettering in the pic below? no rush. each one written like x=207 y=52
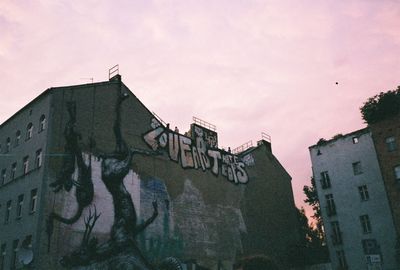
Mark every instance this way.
x=195 y=153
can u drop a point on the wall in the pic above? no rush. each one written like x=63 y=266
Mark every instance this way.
x=388 y=160
x=212 y=206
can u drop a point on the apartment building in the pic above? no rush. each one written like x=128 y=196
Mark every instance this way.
x=358 y=222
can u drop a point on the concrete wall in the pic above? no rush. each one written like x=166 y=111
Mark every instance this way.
x=336 y=157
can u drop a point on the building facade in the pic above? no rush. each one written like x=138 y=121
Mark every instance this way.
x=91 y=179
x=386 y=136
x=358 y=223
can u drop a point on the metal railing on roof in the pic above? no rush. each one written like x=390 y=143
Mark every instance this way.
x=159 y=119
x=242 y=147
x=265 y=137
x=113 y=71
x=205 y=124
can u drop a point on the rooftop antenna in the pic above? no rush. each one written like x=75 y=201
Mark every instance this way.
x=91 y=79
x=113 y=71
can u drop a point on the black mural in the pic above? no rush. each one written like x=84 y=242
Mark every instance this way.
x=120 y=251
x=84 y=185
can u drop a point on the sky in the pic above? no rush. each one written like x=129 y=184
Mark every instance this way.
x=245 y=66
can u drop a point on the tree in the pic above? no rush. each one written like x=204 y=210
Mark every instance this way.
x=381 y=107
x=310 y=249
x=313 y=200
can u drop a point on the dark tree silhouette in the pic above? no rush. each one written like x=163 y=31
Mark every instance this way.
x=381 y=106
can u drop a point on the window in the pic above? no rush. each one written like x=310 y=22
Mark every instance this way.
x=331 y=208
x=17 y=138
x=8 y=144
x=391 y=144
x=33 y=200
x=357 y=168
x=363 y=190
x=38 y=160
x=355 y=140
x=27 y=243
x=8 y=211
x=370 y=246
x=25 y=165
x=325 y=180
x=29 y=131
x=397 y=172
x=13 y=170
x=14 y=254
x=42 y=123
x=365 y=224
x=3 y=176
x=336 y=233
x=3 y=249
x=19 y=206
x=342 y=259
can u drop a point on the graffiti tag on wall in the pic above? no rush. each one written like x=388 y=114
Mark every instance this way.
x=194 y=154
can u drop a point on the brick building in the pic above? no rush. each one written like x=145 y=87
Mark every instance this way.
x=82 y=167
x=386 y=136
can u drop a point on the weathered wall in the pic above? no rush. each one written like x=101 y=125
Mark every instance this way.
x=388 y=160
x=212 y=206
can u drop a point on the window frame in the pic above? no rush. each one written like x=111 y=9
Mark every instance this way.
x=363 y=192
x=365 y=224
x=357 y=168
x=391 y=145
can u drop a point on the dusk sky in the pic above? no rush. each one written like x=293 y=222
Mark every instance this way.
x=246 y=66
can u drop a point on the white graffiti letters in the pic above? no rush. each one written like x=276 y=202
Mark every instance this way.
x=194 y=154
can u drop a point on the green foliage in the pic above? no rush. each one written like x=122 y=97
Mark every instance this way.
x=322 y=141
x=381 y=107
x=313 y=200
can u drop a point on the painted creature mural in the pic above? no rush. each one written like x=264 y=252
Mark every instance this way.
x=106 y=205
x=120 y=251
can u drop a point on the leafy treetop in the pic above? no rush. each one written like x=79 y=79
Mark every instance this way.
x=381 y=107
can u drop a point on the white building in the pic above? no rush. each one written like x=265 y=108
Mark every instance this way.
x=358 y=222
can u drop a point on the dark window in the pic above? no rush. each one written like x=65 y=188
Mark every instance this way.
x=8 y=144
x=363 y=191
x=25 y=165
x=29 y=131
x=38 y=160
x=357 y=169
x=336 y=233
x=365 y=224
x=33 y=200
x=3 y=256
x=325 y=180
x=42 y=123
x=27 y=243
x=355 y=140
x=14 y=254
x=330 y=205
x=19 y=206
x=8 y=211
x=342 y=259
x=391 y=144
x=17 y=138
x=13 y=170
x=370 y=246
x=397 y=172
x=3 y=176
